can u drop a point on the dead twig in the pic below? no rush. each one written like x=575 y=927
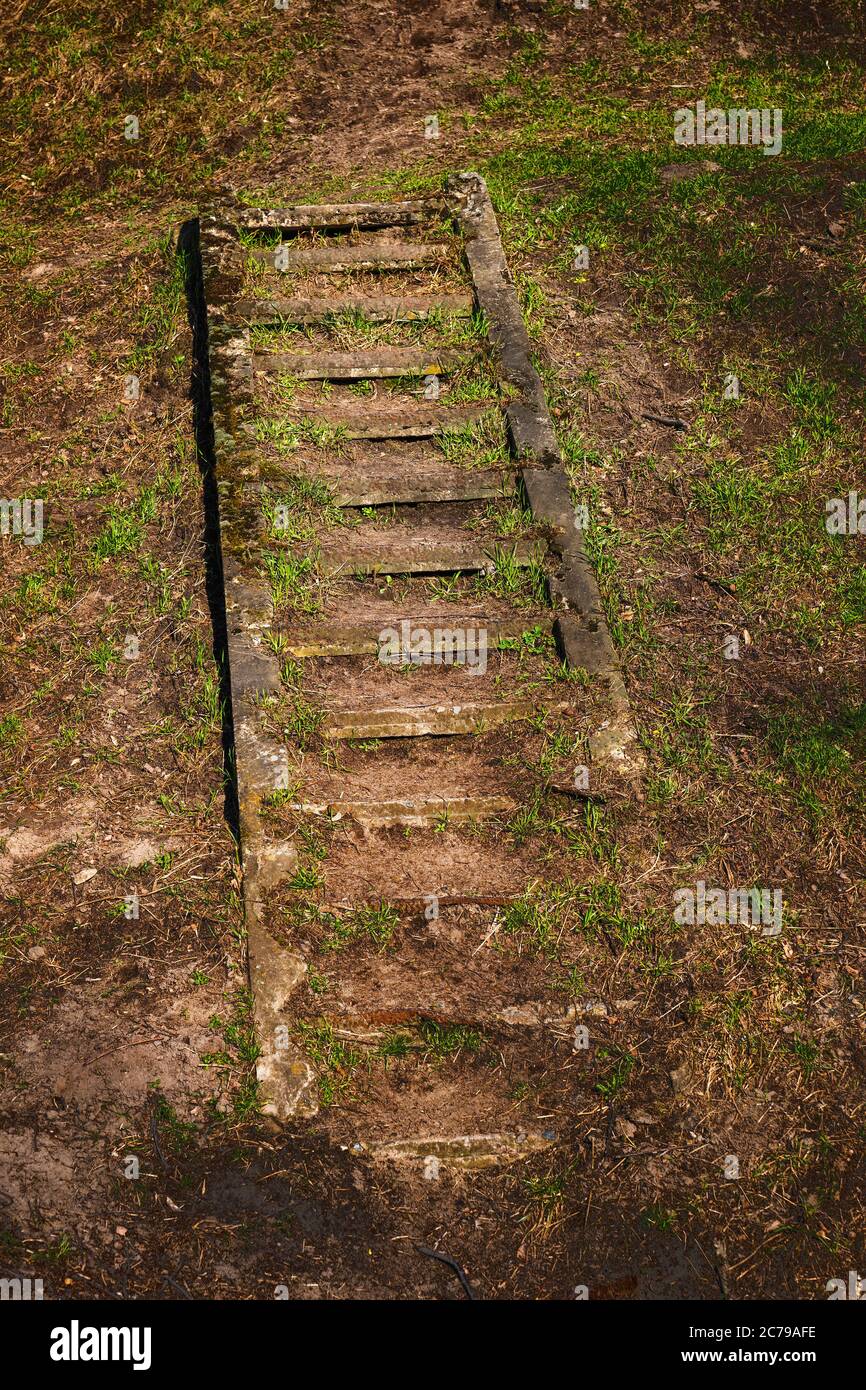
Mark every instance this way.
x=452 y=1264
x=673 y=421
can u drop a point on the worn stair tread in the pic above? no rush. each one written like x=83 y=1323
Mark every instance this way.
x=397 y=422
x=360 y=365
x=463 y=1152
x=427 y=773
x=384 y=553
x=375 y=308
x=367 y=600
x=364 y=639
x=461 y=967
x=442 y=483
x=370 y=865
x=344 y=216
x=372 y=1023
x=442 y=681
x=420 y=810
x=412 y=1105
x=401 y=471
x=414 y=721
x=406 y=905
x=378 y=255
x=365 y=1001
x=436 y=665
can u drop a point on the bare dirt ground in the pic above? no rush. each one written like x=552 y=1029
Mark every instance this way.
x=132 y=1159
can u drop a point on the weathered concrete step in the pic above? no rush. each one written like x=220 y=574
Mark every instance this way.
x=409 y=905
x=370 y=1025
x=428 y=983
x=359 y=365
x=407 y=1101
x=438 y=483
x=418 y=778
x=412 y=472
x=399 y=422
x=457 y=1151
x=422 y=810
x=454 y=959
x=334 y=260
x=375 y=308
x=342 y=216
x=415 y=721
x=424 y=554
x=362 y=603
x=383 y=864
x=445 y=627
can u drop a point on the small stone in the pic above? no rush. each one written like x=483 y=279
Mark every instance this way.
x=37 y=953
x=596 y=1007
x=692 y=169
x=35 y=272
x=517 y=1014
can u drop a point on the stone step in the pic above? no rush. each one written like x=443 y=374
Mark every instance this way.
x=335 y=260
x=328 y=640
x=375 y=308
x=415 y=721
x=421 y=421
x=371 y=865
x=425 y=554
x=419 y=810
x=359 y=365
x=338 y=216
x=439 y=483
x=460 y=1152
